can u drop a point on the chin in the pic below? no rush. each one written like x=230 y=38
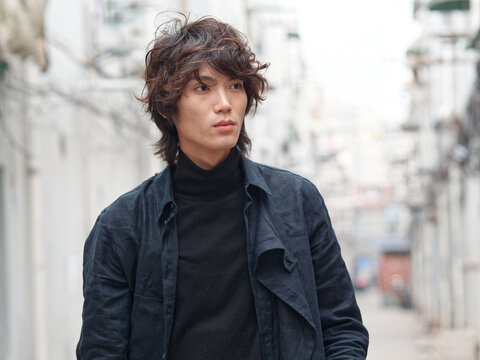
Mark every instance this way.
x=225 y=148
x=227 y=145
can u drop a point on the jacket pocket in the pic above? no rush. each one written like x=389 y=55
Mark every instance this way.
x=147 y=337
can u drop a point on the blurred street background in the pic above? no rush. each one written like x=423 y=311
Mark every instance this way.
x=376 y=101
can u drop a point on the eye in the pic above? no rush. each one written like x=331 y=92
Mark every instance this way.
x=237 y=85
x=201 y=88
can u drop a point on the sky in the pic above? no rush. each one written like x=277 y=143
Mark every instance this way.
x=356 y=49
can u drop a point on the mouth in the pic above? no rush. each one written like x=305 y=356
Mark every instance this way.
x=224 y=124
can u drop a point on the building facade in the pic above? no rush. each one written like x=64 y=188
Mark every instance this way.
x=444 y=178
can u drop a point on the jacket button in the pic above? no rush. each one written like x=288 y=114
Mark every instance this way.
x=289 y=262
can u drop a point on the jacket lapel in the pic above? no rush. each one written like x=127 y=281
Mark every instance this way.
x=275 y=267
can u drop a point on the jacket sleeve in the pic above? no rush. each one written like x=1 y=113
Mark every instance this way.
x=344 y=335
x=107 y=298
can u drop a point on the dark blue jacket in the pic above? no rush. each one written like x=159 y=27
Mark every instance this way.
x=304 y=299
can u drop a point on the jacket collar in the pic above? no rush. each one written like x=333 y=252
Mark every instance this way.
x=163 y=185
x=163 y=193
x=253 y=176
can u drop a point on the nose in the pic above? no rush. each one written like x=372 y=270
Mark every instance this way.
x=222 y=102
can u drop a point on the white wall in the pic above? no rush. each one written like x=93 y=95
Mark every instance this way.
x=16 y=255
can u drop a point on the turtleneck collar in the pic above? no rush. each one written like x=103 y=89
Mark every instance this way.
x=193 y=182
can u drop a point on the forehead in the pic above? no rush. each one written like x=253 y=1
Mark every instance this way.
x=206 y=72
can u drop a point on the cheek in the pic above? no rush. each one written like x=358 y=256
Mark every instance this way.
x=242 y=104
x=185 y=115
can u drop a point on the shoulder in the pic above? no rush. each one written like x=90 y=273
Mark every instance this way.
x=281 y=179
x=128 y=209
x=292 y=197
x=292 y=191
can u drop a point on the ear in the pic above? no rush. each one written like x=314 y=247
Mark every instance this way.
x=173 y=118
x=171 y=121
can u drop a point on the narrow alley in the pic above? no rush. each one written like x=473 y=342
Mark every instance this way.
x=399 y=334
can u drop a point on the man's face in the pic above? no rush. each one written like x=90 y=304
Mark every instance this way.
x=210 y=116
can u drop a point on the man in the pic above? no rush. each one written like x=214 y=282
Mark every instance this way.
x=216 y=257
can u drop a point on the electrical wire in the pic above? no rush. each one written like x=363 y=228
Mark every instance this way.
x=119 y=120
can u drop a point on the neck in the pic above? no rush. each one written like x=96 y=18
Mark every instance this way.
x=190 y=180
x=207 y=161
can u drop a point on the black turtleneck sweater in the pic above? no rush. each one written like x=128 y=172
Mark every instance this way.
x=214 y=307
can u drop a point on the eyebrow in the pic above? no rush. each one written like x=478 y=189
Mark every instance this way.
x=206 y=78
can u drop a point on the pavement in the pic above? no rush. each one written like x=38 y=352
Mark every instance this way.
x=399 y=334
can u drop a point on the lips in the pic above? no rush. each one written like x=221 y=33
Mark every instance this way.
x=224 y=123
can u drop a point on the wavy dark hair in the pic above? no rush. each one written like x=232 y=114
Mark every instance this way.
x=179 y=49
